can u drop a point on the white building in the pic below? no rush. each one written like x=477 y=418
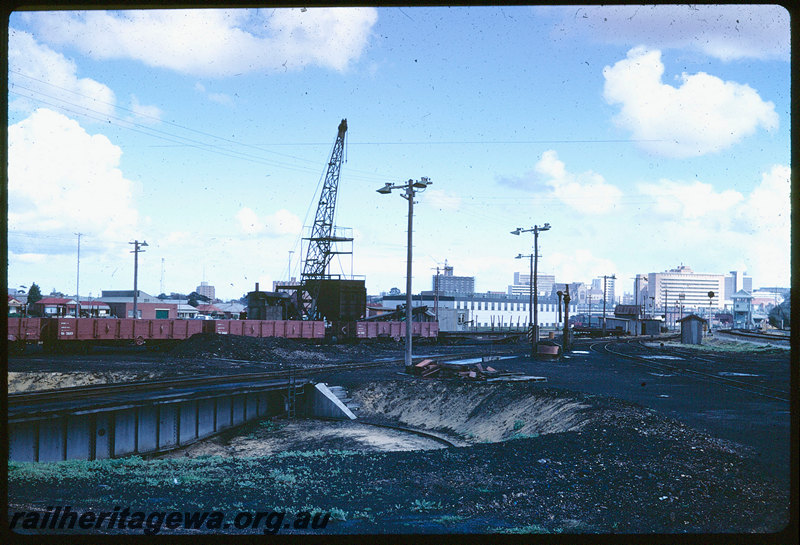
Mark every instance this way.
x=486 y=311
x=684 y=287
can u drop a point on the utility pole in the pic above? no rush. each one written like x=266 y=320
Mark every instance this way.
x=162 y=276
x=530 y=292
x=535 y=230
x=136 y=249
x=565 y=342
x=605 y=277
x=410 y=189
x=436 y=296
x=78 y=281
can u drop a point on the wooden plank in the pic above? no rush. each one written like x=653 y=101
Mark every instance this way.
x=423 y=363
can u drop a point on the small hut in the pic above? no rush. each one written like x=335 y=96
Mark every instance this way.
x=692 y=329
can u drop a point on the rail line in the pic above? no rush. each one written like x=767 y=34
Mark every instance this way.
x=692 y=373
x=92 y=390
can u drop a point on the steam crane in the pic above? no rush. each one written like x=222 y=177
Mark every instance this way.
x=319 y=252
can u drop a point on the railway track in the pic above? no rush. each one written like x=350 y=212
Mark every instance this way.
x=109 y=390
x=640 y=360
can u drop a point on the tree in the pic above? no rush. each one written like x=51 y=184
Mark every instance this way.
x=780 y=315
x=34 y=294
x=394 y=291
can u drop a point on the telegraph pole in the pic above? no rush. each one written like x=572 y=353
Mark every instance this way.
x=535 y=230
x=605 y=277
x=136 y=249
x=410 y=189
x=78 y=281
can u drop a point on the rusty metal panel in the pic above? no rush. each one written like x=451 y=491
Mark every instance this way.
x=236 y=327
x=397 y=329
x=26 y=329
x=193 y=327
x=125 y=330
x=251 y=328
x=66 y=329
x=292 y=329
x=160 y=329
x=141 y=330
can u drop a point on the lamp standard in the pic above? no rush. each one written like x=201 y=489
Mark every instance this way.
x=136 y=249
x=535 y=230
x=710 y=297
x=410 y=189
x=605 y=278
x=530 y=291
x=78 y=280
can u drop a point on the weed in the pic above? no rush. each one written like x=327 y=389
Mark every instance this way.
x=425 y=505
x=518 y=424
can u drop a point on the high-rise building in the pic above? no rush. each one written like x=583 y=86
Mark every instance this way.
x=449 y=284
x=522 y=284
x=684 y=287
x=609 y=288
x=206 y=290
x=735 y=281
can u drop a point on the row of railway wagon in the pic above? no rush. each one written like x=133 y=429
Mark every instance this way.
x=71 y=333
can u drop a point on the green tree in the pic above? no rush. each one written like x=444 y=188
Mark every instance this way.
x=780 y=316
x=34 y=294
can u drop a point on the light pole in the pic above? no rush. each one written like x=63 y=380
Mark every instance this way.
x=78 y=281
x=710 y=297
x=530 y=291
x=136 y=249
x=535 y=230
x=410 y=189
x=605 y=277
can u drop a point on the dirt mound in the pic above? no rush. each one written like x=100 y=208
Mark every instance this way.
x=276 y=349
x=478 y=412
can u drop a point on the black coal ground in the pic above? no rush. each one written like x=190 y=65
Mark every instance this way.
x=626 y=470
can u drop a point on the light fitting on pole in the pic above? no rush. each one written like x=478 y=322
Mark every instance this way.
x=516 y=231
x=385 y=190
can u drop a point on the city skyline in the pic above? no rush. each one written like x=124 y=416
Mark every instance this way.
x=647 y=137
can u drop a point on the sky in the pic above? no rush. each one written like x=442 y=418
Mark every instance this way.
x=647 y=136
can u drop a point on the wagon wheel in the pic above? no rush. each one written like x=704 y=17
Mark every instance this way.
x=139 y=340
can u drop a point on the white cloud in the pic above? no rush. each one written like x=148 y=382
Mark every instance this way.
x=704 y=115
x=723 y=229
x=280 y=223
x=147 y=114
x=442 y=200
x=63 y=179
x=689 y=201
x=216 y=43
x=579 y=263
x=587 y=192
x=37 y=71
x=727 y=32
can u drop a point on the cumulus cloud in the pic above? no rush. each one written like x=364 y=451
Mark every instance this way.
x=142 y=112
x=216 y=43
x=586 y=192
x=703 y=115
x=726 y=32
x=689 y=200
x=37 y=71
x=280 y=223
x=751 y=228
x=63 y=179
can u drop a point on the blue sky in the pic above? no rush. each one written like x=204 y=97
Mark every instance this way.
x=646 y=136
